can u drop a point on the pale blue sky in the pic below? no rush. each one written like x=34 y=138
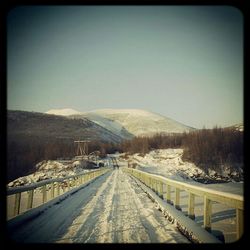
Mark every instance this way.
x=184 y=62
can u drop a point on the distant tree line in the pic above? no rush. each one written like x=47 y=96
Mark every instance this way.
x=24 y=152
x=207 y=148
x=212 y=148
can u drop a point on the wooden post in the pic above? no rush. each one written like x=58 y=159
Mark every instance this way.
x=30 y=198
x=168 y=195
x=239 y=223
x=17 y=203
x=150 y=183
x=161 y=189
x=44 y=194
x=191 y=206
x=207 y=213
x=52 y=190
x=157 y=187
x=153 y=185
x=177 y=199
x=58 y=188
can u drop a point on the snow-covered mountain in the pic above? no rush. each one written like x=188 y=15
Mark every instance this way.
x=136 y=122
x=112 y=125
x=64 y=112
x=127 y=123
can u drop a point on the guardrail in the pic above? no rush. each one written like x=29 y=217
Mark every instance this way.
x=56 y=186
x=158 y=184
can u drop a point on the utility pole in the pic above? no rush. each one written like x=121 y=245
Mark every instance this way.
x=82 y=148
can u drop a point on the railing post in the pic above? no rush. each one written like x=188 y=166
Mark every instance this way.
x=168 y=195
x=44 y=194
x=150 y=183
x=52 y=190
x=157 y=187
x=146 y=180
x=154 y=185
x=207 y=213
x=177 y=199
x=68 y=184
x=17 y=203
x=239 y=223
x=58 y=188
x=191 y=206
x=63 y=187
x=161 y=189
x=30 y=198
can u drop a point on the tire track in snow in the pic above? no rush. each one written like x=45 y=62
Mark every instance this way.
x=87 y=210
x=105 y=223
x=158 y=227
x=112 y=209
x=129 y=216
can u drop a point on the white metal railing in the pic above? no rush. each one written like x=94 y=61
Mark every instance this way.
x=156 y=183
x=56 y=186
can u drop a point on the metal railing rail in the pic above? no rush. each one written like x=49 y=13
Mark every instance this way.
x=157 y=184
x=58 y=184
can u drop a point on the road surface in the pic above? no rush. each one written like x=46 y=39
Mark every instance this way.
x=112 y=209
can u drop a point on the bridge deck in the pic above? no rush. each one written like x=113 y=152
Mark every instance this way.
x=112 y=209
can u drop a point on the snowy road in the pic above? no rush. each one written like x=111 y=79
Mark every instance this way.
x=112 y=209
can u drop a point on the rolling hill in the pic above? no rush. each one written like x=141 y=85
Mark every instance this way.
x=52 y=126
x=128 y=123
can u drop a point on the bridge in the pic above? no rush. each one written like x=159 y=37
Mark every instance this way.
x=117 y=205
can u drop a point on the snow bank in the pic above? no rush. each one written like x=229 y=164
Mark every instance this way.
x=49 y=169
x=169 y=163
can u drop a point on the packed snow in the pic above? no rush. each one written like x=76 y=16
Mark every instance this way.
x=112 y=209
x=110 y=214
x=169 y=163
